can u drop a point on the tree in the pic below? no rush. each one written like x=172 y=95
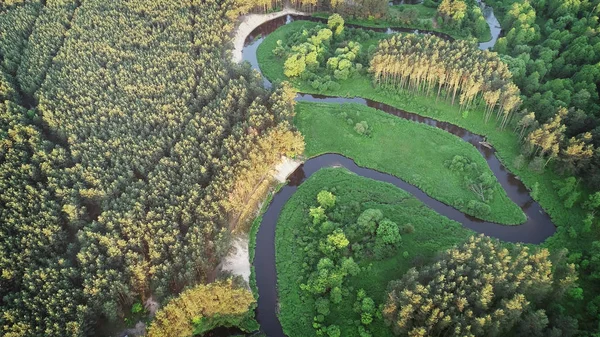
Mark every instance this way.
x=336 y=23
x=326 y=199
x=576 y=152
x=454 y=10
x=548 y=137
x=208 y=306
x=294 y=65
x=479 y=289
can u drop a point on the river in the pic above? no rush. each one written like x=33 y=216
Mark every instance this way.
x=536 y=229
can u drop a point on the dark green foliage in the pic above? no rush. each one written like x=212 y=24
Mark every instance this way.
x=48 y=34
x=554 y=62
x=16 y=23
x=362 y=205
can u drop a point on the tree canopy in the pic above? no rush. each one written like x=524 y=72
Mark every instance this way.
x=483 y=289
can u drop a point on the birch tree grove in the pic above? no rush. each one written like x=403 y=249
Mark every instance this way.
x=456 y=71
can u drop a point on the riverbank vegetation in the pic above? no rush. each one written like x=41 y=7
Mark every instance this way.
x=205 y=307
x=553 y=58
x=319 y=244
x=128 y=146
x=454 y=173
x=553 y=163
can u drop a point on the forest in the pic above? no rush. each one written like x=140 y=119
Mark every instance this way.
x=134 y=154
x=124 y=131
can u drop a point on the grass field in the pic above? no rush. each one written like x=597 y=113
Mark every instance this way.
x=433 y=233
x=411 y=151
x=504 y=141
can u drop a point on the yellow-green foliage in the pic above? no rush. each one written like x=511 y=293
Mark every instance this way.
x=202 y=305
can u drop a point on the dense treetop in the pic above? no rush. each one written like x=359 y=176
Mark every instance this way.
x=124 y=131
x=483 y=289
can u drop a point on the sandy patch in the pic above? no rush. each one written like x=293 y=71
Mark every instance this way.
x=248 y=23
x=238 y=260
x=286 y=167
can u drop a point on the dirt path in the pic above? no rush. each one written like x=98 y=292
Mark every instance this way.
x=248 y=23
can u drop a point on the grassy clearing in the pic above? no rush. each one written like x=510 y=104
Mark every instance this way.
x=505 y=141
x=433 y=233
x=423 y=11
x=411 y=151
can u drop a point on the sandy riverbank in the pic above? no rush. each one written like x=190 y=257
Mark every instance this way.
x=248 y=23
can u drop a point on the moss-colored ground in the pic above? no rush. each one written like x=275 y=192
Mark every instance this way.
x=411 y=151
x=433 y=233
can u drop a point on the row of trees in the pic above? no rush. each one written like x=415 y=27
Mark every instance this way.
x=122 y=182
x=358 y=8
x=16 y=21
x=457 y=68
x=484 y=289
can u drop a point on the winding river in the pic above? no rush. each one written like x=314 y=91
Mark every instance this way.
x=537 y=228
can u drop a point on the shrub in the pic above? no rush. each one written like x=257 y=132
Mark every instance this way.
x=341 y=74
x=478 y=208
x=537 y=165
x=336 y=295
x=322 y=306
x=535 y=191
x=326 y=199
x=362 y=128
x=333 y=86
x=366 y=318
x=407 y=228
x=137 y=308
x=519 y=162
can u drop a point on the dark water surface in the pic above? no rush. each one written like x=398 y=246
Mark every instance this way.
x=536 y=229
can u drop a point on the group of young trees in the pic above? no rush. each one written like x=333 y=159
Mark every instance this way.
x=458 y=69
x=334 y=247
x=484 y=289
x=357 y=8
x=548 y=142
x=324 y=55
x=122 y=182
x=463 y=15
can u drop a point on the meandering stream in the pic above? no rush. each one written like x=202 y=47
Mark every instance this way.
x=537 y=228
